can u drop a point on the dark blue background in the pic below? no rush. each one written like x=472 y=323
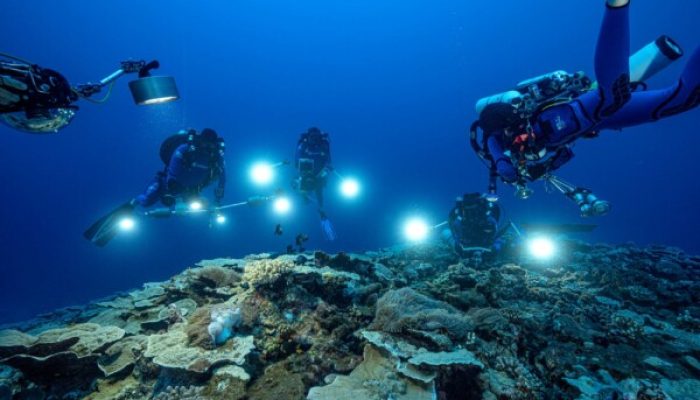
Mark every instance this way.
x=394 y=82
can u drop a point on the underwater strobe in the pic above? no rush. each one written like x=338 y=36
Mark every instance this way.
x=145 y=90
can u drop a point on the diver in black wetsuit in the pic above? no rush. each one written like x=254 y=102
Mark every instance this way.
x=474 y=224
x=313 y=163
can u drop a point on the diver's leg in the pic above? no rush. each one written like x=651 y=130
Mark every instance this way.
x=652 y=105
x=612 y=61
x=319 y=197
x=153 y=192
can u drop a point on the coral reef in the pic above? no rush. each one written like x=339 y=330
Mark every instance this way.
x=602 y=322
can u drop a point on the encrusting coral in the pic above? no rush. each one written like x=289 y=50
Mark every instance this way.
x=602 y=322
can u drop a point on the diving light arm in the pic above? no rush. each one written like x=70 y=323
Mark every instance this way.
x=561 y=185
x=438 y=226
x=127 y=67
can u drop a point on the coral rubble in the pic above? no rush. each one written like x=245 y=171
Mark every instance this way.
x=600 y=322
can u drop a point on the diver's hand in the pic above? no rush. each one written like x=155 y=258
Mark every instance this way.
x=537 y=171
x=6 y=96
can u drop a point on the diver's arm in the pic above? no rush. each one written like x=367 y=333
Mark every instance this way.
x=563 y=156
x=503 y=165
x=178 y=161
x=297 y=155
x=327 y=151
x=221 y=186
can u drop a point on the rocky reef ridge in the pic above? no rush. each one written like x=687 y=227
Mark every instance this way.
x=601 y=322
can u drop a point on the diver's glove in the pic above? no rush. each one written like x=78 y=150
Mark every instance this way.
x=328 y=230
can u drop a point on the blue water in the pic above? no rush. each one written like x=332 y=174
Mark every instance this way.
x=394 y=82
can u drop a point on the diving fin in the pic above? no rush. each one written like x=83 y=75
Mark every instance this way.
x=106 y=228
x=328 y=230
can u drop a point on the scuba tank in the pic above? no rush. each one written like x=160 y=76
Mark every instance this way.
x=512 y=97
x=533 y=94
x=654 y=57
x=169 y=145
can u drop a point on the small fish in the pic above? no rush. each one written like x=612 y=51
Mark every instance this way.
x=278 y=230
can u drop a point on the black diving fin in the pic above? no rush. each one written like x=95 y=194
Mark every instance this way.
x=107 y=227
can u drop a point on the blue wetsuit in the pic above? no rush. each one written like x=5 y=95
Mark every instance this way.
x=612 y=106
x=190 y=170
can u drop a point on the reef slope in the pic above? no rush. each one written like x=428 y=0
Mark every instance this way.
x=601 y=322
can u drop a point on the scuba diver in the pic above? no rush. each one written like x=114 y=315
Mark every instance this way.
x=313 y=164
x=192 y=162
x=528 y=133
x=35 y=99
x=474 y=226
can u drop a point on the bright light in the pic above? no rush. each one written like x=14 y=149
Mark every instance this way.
x=416 y=230
x=158 y=100
x=195 y=206
x=262 y=173
x=350 y=188
x=282 y=205
x=220 y=219
x=127 y=224
x=541 y=248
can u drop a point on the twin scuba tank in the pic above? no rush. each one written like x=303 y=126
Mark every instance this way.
x=533 y=94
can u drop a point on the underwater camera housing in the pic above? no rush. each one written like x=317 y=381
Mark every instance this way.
x=48 y=120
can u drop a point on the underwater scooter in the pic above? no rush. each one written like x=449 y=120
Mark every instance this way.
x=34 y=99
x=534 y=94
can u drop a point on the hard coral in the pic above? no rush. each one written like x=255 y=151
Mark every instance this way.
x=404 y=309
x=216 y=277
x=223 y=320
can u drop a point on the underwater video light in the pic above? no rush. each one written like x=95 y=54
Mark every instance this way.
x=541 y=248
x=196 y=206
x=220 y=219
x=282 y=205
x=350 y=188
x=127 y=224
x=262 y=173
x=154 y=90
x=149 y=89
x=416 y=229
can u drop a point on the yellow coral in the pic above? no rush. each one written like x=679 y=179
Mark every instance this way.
x=260 y=272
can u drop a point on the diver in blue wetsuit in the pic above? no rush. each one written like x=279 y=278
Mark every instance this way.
x=192 y=162
x=313 y=163
x=528 y=133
